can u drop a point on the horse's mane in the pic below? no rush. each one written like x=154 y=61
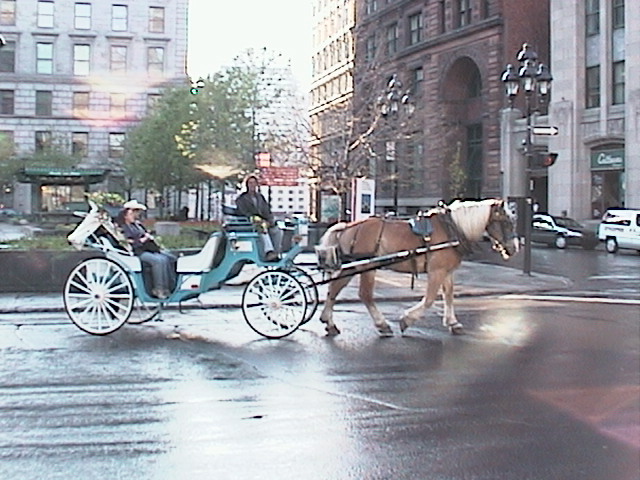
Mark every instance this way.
x=471 y=216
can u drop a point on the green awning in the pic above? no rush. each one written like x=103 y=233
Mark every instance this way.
x=62 y=176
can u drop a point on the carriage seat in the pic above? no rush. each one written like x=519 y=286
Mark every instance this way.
x=238 y=222
x=205 y=259
x=123 y=258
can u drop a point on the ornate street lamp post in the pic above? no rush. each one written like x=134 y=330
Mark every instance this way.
x=390 y=106
x=534 y=79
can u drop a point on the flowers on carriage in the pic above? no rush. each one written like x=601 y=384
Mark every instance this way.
x=101 y=208
x=260 y=224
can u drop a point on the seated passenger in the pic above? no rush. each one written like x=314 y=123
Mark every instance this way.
x=251 y=203
x=162 y=263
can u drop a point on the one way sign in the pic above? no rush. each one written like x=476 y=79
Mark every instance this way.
x=544 y=130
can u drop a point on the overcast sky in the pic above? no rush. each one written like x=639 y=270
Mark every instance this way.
x=219 y=30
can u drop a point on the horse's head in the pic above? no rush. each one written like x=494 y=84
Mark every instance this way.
x=501 y=230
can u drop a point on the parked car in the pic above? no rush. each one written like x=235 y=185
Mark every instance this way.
x=7 y=214
x=620 y=228
x=561 y=232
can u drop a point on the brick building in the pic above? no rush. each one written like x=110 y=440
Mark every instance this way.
x=449 y=56
x=80 y=75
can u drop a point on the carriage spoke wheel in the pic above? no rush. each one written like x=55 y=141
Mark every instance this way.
x=310 y=291
x=274 y=303
x=98 y=296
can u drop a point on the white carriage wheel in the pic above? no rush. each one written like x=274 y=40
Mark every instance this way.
x=274 y=304
x=98 y=296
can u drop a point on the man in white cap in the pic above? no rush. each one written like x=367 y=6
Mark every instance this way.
x=162 y=263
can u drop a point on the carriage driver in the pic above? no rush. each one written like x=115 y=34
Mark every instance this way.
x=251 y=203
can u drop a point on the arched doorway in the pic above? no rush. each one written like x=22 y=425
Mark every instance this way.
x=462 y=93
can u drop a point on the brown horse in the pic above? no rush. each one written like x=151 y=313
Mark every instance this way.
x=462 y=221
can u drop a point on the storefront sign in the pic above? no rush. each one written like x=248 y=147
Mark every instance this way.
x=607 y=159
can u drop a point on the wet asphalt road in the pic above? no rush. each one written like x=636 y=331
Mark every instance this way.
x=535 y=390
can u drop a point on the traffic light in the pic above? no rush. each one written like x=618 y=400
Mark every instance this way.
x=196 y=87
x=544 y=159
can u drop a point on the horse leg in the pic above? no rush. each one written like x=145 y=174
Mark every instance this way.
x=367 y=282
x=434 y=281
x=335 y=287
x=449 y=319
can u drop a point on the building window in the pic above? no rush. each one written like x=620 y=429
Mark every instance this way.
x=82 y=18
x=79 y=144
x=592 y=13
x=485 y=8
x=392 y=39
x=44 y=58
x=116 y=145
x=370 y=6
x=370 y=48
x=417 y=77
x=119 y=18
x=618 y=81
x=152 y=100
x=7 y=102
x=415 y=28
x=117 y=104
x=8 y=58
x=44 y=103
x=81 y=57
x=442 y=16
x=80 y=103
x=464 y=13
x=156 y=19
x=617 y=16
x=155 y=59
x=7 y=12
x=118 y=59
x=474 y=161
x=45 y=14
x=43 y=141
x=593 y=87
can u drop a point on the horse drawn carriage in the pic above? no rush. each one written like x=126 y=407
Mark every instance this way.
x=104 y=292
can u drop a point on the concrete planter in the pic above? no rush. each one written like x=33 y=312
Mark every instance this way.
x=37 y=270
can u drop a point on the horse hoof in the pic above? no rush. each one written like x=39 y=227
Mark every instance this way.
x=385 y=331
x=332 y=331
x=403 y=325
x=456 y=329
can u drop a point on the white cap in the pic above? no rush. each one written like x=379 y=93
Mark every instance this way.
x=134 y=205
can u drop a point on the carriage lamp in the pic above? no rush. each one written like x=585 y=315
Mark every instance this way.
x=534 y=79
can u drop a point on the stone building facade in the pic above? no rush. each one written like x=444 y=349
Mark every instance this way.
x=80 y=75
x=595 y=105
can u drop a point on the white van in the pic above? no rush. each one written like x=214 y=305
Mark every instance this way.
x=620 y=228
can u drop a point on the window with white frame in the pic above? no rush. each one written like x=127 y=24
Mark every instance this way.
x=119 y=18
x=7 y=100
x=156 y=19
x=118 y=58
x=80 y=103
x=155 y=59
x=116 y=145
x=82 y=16
x=44 y=58
x=81 y=59
x=7 y=12
x=392 y=39
x=42 y=140
x=45 y=14
x=592 y=89
x=79 y=144
x=592 y=17
x=8 y=58
x=44 y=103
x=618 y=82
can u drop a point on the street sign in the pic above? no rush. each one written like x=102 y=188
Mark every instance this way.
x=544 y=130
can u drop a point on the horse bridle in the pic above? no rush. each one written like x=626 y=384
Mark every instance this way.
x=506 y=231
